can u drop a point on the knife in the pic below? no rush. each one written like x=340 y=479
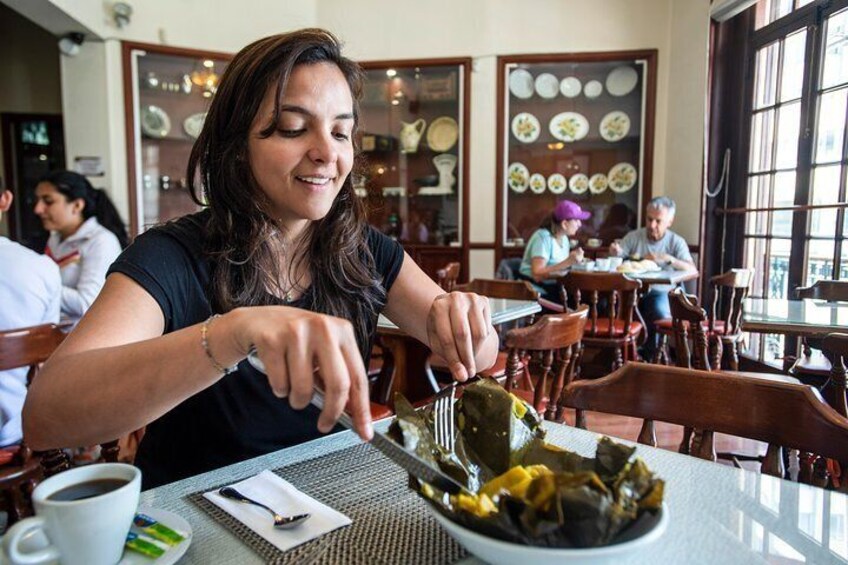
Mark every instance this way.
x=413 y=464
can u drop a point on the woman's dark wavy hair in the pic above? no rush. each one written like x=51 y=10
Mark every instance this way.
x=241 y=235
x=73 y=185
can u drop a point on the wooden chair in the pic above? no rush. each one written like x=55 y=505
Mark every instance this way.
x=617 y=329
x=724 y=326
x=447 y=276
x=719 y=402
x=835 y=347
x=548 y=352
x=812 y=366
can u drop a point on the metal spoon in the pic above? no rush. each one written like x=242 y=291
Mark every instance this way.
x=280 y=522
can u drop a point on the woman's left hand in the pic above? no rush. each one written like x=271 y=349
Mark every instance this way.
x=458 y=325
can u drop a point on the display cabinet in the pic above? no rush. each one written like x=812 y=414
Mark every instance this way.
x=414 y=174
x=167 y=92
x=577 y=127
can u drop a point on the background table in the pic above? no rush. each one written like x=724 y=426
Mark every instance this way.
x=718 y=514
x=794 y=317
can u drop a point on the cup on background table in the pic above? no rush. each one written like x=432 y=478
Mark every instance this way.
x=85 y=514
x=602 y=264
x=615 y=263
x=593 y=242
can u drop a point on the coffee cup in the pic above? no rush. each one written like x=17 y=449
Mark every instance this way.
x=85 y=514
x=615 y=263
x=602 y=264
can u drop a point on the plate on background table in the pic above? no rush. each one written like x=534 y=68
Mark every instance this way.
x=518 y=177
x=622 y=80
x=578 y=183
x=155 y=122
x=521 y=83
x=622 y=177
x=571 y=87
x=557 y=183
x=593 y=89
x=547 y=85
x=538 y=183
x=615 y=126
x=569 y=126
x=526 y=127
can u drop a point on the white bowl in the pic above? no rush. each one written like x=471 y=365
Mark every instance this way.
x=499 y=552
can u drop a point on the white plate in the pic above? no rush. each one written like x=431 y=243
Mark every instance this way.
x=498 y=552
x=194 y=124
x=569 y=126
x=518 y=177
x=538 y=183
x=593 y=89
x=442 y=134
x=622 y=177
x=526 y=127
x=547 y=85
x=615 y=126
x=557 y=183
x=598 y=183
x=578 y=183
x=154 y=121
x=571 y=87
x=521 y=83
x=622 y=80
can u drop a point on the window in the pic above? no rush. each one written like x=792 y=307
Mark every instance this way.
x=795 y=224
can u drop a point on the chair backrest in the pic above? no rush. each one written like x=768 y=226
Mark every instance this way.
x=550 y=347
x=446 y=277
x=730 y=290
x=688 y=318
x=592 y=289
x=722 y=402
x=496 y=288
x=508 y=268
x=832 y=291
x=29 y=347
x=835 y=348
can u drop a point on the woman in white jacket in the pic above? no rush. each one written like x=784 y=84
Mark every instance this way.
x=86 y=236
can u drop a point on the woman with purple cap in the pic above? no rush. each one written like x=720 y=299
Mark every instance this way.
x=548 y=252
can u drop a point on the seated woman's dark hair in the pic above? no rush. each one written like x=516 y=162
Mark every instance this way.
x=241 y=235
x=73 y=186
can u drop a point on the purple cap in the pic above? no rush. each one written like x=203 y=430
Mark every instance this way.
x=568 y=210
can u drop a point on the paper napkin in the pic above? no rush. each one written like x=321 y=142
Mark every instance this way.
x=282 y=496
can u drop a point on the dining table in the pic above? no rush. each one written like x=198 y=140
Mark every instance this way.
x=406 y=368
x=717 y=513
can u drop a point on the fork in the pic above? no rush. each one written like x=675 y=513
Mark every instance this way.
x=443 y=422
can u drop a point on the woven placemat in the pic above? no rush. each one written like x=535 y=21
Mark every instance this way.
x=391 y=524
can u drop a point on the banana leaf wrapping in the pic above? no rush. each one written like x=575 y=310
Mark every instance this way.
x=584 y=502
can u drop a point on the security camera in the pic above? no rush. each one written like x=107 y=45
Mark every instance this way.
x=70 y=43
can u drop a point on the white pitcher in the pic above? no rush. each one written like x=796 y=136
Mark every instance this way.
x=410 y=135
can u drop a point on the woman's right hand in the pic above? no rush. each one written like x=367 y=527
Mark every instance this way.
x=576 y=256
x=295 y=345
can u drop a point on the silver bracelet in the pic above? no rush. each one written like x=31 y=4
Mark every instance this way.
x=204 y=341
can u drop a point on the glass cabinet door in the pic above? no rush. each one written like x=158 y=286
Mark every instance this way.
x=412 y=130
x=171 y=94
x=578 y=128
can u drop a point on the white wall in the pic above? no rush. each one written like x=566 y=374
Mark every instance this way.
x=482 y=29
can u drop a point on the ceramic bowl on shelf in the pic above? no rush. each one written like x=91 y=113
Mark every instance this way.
x=622 y=80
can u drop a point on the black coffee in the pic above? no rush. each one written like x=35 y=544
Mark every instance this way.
x=87 y=489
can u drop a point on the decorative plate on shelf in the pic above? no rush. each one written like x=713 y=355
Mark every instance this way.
x=578 y=183
x=571 y=87
x=518 y=177
x=622 y=177
x=154 y=121
x=194 y=124
x=547 y=85
x=622 y=80
x=593 y=89
x=525 y=127
x=521 y=83
x=557 y=183
x=538 y=184
x=615 y=126
x=442 y=134
x=598 y=183
x=569 y=126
